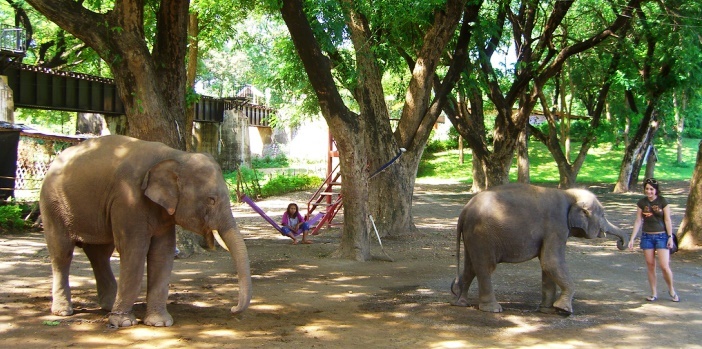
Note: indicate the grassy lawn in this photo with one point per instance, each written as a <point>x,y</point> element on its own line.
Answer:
<point>601,165</point>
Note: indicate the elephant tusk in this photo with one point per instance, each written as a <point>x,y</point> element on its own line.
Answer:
<point>215,233</point>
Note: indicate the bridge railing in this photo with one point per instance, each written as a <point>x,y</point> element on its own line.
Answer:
<point>13,39</point>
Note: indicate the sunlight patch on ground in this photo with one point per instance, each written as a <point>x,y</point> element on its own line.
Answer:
<point>563,345</point>
<point>273,308</point>
<point>665,306</point>
<point>20,246</point>
<point>324,329</point>
<point>451,345</point>
<point>201,304</point>
<point>521,326</point>
<point>347,295</point>
<point>349,278</point>
<point>375,316</point>
<point>275,273</point>
<point>222,333</point>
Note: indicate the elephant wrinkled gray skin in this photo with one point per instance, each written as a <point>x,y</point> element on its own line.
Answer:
<point>120,192</point>
<point>514,223</point>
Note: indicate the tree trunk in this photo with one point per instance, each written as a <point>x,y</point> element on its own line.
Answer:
<point>634,152</point>
<point>355,237</point>
<point>680,123</point>
<point>690,230</point>
<point>478,176</point>
<point>651,159</point>
<point>151,85</point>
<point>191,74</point>
<point>523,157</point>
<point>365,139</point>
<point>91,123</point>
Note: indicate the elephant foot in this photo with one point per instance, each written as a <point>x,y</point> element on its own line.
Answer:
<point>106,303</point>
<point>547,310</point>
<point>461,302</point>
<point>492,307</point>
<point>159,319</point>
<point>121,319</point>
<point>62,311</point>
<point>62,308</point>
<point>563,307</point>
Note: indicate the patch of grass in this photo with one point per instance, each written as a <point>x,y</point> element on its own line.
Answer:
<point>270,162</point>
<point>601,165</point>
<point>11,217</point>
<point>256,184</point>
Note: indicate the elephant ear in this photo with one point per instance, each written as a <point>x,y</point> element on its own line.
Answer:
<point>161,185</point>
<point>577,219</point>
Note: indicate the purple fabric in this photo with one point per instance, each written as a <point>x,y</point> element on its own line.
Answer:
<point>275,225</point>
<point>253,205</point>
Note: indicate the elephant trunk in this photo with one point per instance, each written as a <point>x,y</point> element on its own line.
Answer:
<point>622,237</point>
<point>234,242</point>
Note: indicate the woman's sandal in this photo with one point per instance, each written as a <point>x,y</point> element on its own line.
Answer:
<point>651,298</point>
<point>674,297</point>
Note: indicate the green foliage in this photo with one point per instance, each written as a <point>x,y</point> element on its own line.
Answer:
<point>580,128</point>
<point>53,120</point>
<point>601,166</point>
<point>267,161</point>
<point>435,145</point>
<point>255,183</point>
<point>285,183</point>
<point>11,217</point>
<point>693,128</point>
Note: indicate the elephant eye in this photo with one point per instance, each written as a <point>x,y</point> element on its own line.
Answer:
<point>212,200</point>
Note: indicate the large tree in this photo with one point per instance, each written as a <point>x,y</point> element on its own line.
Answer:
<point>149,71</point>
<point>589,81</point>
<point>690,230</point>
<point>655,71</point>
<point>540,54</point>
<point>362,127</point>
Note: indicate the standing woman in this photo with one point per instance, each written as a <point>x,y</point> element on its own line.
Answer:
<point>653,218</point>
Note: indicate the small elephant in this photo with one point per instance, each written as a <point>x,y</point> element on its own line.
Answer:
<point>120,192</point>
<point>514,223</point>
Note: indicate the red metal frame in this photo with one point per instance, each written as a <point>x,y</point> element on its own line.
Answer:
<point>326,191</point>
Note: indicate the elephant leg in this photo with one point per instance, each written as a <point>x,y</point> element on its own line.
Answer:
<point>159,267</point>
<point>461,286</point>
<point>61,252</point>
<point>548,293</point>
<point>556,268</point>
<point>485,292</point>
<point>131,273</point>
<point>99,256</point>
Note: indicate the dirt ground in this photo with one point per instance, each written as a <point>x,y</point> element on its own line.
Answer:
<point>304,299</point>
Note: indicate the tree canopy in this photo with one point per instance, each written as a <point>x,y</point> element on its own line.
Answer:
<point>381,73</point>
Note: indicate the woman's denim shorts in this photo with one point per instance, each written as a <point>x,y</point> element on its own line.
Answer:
<point>304,227</point>
<point>654,241</point>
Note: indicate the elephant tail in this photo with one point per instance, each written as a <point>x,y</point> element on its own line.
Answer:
<point>459,230</point>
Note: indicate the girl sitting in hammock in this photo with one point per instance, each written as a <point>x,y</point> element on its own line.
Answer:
<point>294,224</point>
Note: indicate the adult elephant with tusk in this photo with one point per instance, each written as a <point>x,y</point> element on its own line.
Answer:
<point>120,192</point>
<point>514,223</point>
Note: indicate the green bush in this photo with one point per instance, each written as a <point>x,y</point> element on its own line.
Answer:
<point>256,184</point>
<point>11,217</point>
<point>580,128</point>
<point>270,162</point>
<point>692,133</point>
<point>435,146</point>
<point>285,183</point>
